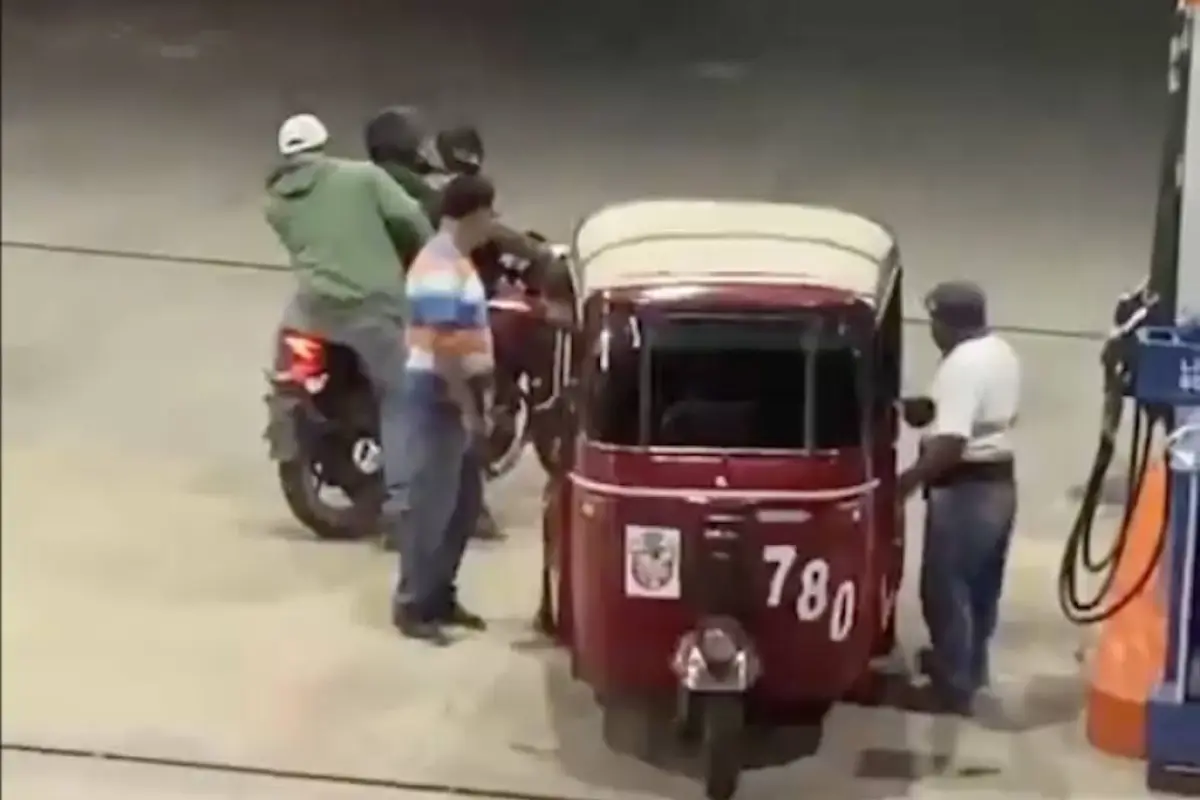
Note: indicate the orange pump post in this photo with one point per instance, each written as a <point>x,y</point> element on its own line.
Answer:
<point>1128,658</point>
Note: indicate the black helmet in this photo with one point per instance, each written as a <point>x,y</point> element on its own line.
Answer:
<point>397,134</point>
<point>461,149</point>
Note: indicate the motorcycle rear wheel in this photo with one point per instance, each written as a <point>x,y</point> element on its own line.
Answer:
<point>299,484</point>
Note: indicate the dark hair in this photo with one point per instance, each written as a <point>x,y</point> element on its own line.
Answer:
<point>959,305</point>
<point>466,194</point>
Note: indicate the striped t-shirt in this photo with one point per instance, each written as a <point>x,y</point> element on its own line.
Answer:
<point>448,319</point>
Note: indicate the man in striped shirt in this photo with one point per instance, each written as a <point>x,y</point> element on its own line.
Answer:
<point>446,386</point>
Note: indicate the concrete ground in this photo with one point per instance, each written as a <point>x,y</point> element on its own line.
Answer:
<point>158,604</point>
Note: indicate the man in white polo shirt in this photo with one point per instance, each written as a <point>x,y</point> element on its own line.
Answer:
<point>966,472</point>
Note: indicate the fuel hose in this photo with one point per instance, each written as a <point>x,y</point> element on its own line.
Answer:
<point>1088,572</point>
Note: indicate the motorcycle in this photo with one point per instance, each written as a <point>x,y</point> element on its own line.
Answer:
<point>323,432</point>
<point>323,425</point>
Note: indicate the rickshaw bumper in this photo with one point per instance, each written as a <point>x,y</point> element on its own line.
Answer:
<point>716,657</point>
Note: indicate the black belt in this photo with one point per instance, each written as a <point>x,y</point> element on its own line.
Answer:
<point>977,472</point>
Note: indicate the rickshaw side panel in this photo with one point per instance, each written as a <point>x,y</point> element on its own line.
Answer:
<point>625,632</point>
<point>889,543</point>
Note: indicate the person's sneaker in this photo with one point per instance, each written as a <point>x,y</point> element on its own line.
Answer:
<point>459,617</point>
<point>413,627</point>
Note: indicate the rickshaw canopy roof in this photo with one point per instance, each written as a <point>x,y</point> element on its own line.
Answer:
<point>663,242</point>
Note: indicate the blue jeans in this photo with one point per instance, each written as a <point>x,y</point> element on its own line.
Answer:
<point>433,508</point>
<point>968,530</point>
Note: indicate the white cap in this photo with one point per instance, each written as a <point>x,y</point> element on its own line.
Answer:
<point>302,132</point>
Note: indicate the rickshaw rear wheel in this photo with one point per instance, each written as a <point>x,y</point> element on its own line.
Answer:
<point>724,737</point>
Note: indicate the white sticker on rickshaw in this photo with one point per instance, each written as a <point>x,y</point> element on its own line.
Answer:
<point>652,558</point>
<point>816,600</point>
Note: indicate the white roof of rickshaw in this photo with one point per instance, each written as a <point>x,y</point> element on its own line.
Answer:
<point>649,243</point>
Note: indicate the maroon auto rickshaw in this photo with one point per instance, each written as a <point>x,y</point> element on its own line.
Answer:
<point>721,524</point>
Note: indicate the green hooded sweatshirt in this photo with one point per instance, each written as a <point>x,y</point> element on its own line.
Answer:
<point>417,187</point>
<point>348,228</point>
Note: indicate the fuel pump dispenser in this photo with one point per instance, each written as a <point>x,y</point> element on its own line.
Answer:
<point>1153,357</point>
<point>1168,373</point>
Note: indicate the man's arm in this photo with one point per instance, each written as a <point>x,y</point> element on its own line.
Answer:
<point>444,306</point>
<point>538,272</point>
<point>406,222</point>
<point>537,256</point>
<point>275,220</point>
<point>957,395</point>
<point>469,390</point>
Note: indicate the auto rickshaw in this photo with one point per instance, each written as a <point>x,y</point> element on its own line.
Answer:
<point>721,527</point>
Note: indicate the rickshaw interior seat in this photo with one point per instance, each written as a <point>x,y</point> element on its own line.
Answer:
<point>753,399</point>
<point>741,386</point>
<point>694,419</point>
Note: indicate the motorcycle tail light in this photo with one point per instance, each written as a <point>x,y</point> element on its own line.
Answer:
<point>304,358</point>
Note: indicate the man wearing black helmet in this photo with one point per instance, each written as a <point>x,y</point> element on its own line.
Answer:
<point>397,140</point>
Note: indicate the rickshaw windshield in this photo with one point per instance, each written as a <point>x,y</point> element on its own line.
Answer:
<point>730,381</point>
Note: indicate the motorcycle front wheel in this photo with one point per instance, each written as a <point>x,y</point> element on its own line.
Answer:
<point>301,484</point>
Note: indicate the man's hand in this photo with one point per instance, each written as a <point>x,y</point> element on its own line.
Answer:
<point>918,412</point>
<point>475,423</point>
<point>906,485</point>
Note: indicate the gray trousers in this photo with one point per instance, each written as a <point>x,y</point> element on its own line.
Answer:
<point>437,513</point>
<point>968,530</point>
<point>378,339</point>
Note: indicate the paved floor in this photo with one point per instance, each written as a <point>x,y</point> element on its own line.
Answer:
<point>158,603</point>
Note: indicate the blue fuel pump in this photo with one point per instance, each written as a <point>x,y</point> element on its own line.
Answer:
<point>1168,373</point>
<point>1153,357</point>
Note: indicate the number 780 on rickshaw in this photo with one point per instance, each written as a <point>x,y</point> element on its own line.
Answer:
<point>722,525</point>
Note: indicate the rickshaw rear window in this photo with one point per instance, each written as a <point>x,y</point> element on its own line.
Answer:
<point>752,383</point>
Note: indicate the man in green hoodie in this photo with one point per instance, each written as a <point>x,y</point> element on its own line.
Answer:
<point>349,230</point>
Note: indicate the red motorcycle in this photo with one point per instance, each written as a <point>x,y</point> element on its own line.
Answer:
<point>323,420</point>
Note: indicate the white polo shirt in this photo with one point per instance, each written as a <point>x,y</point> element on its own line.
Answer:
<point>977,390</point>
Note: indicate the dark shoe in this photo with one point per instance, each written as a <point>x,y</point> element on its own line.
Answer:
<point>952,701</point>
<point>925,662</point>
<point>413,627</point>
<point>459,617</point>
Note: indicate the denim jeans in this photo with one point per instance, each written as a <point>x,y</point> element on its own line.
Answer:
<point>968,530</point>
<point>435,509</point>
